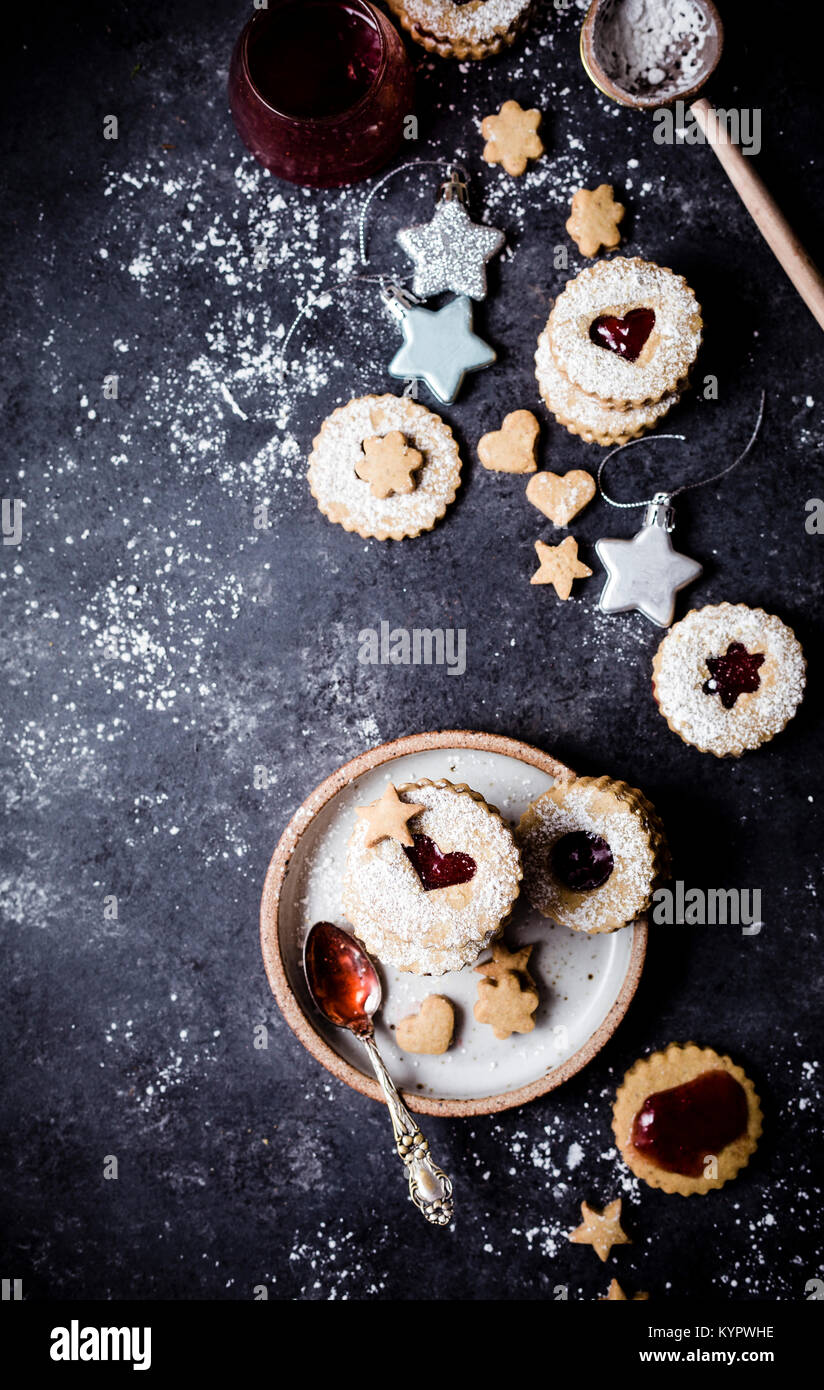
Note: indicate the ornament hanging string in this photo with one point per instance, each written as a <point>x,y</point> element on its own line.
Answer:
<point>685,487</point>
<point>315,300</point>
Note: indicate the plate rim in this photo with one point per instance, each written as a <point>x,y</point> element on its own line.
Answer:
<point>285,997</point>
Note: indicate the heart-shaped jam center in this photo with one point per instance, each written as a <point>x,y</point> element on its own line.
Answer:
<point>582,861</point>
<point>680,1128</point>
<point>436,870</point>
<point>734,674</point>
<point>625,336</point>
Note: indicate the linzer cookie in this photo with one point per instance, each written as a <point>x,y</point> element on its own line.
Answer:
<point>686,1120</point>
<point>594,851</point>
<point>728,678</point>
<point>384,466</point>
<point>463,28</point>
<point>626,331</point>
<point>435,904</point>
<point>586,415</point>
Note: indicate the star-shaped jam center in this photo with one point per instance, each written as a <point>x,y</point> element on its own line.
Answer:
<point>734,674</point>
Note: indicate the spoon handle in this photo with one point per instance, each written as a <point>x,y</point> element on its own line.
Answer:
<point>429,1187</point>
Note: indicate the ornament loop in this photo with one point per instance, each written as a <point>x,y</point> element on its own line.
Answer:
<point>455,188</point>
<point>661,512</point>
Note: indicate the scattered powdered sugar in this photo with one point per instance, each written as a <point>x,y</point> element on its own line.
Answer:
<point>653,47</point>
<point>680,671</point>
<point>432,932</point>
<point>347,499</point>
<point>616,287</point>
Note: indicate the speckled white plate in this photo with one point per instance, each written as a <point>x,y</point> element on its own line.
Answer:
<point>586,982</point>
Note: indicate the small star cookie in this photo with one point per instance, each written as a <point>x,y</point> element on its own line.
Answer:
<point>561,497</point>
<point>600,1229</point>
<point>559,565</point>
<point>387,818</point>
<point>593,222</point>
<point>511,449</point>
<point>429,1031</point>
<point>616,1295</point>
<point>512,138</point>
<point>388,464</point>
<point>507,997</point>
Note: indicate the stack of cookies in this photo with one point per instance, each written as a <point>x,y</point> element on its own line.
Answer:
<point>618,349</point>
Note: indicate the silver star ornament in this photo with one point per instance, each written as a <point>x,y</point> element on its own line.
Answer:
<point>646,573</point>
<point>439,346</point>
<point>450,252</point>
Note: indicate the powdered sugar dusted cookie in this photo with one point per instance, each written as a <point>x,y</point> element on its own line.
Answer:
<point>463,28</point>
<point>435,905</point>
<point>343,484</point>
<point>727,678</point>
<point>594,851</point>
<point>626,331</point>
<point>586,415</point>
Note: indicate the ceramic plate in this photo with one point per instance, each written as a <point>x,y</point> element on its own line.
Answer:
<point>586,982</point>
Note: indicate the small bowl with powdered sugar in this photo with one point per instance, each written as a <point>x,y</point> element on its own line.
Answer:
<point>648,53</point>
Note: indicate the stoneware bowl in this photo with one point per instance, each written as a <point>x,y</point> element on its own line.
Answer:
<point>586,983</point>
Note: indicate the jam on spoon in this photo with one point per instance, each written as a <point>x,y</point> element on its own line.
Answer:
<point>678,1129</point>
<point>734,674</point>
<point>582,861</point>
<point>437,870</point>
<point>346,988</point>
<point>342,979</point>
<point>625,336</point>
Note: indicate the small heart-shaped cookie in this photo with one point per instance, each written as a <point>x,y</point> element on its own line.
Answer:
<point>430,1030</point>
<point>511,449</point>
<point>561,498</point>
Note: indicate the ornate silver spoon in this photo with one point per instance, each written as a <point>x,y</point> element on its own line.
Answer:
<point>346,988</point>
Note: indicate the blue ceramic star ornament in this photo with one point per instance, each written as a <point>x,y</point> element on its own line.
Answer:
<point>439,346</point>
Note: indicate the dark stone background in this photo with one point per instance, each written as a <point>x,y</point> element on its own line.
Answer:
<point>158,647</point>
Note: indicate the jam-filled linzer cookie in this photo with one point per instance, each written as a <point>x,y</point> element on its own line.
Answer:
<point>727,678</point>
<point>463,28</point>
<point>686,1119</point>
<point>384,466</point>
<point>429,890</point>
<point>626,331</point>
<point>594,852</point>
<point>587,416</point>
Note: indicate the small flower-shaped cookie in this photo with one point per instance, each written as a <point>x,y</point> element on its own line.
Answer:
<point>388,465</point>
<point>593,221</point>
<point>507,997</point>
<point>512,138</point>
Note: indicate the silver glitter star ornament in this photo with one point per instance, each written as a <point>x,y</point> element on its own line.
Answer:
<point>646,573</point>
<point>451,251</point>
<point>439,346</point>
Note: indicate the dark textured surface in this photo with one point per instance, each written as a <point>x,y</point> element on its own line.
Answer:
<point>159,647</point>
